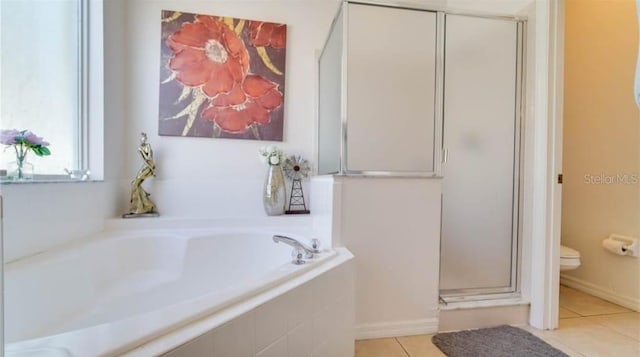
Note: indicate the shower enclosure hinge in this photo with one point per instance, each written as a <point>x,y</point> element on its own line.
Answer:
<point>560,178</point>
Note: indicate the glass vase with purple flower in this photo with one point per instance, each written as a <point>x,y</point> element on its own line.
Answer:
<point>22,142</point>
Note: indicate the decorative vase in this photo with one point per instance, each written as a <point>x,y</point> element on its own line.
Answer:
<point>20,170</point>
<point>274,195</point>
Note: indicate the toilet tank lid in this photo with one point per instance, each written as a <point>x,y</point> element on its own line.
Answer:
<point>566,252</point>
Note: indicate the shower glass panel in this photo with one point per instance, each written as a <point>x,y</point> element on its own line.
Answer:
<point>481,160</point>
<point>391,89</point>
<point>330,101</point>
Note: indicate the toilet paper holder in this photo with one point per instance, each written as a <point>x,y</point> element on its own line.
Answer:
<point>630,244</point>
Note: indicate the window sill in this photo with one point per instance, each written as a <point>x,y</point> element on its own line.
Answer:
<point>45,179</point>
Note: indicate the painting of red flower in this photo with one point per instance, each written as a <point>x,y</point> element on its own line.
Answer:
<point>221,77</point>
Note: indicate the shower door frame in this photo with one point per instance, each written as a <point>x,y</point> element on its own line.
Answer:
<point>514,288</point>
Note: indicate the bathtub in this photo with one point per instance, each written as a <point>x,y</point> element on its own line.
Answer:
<point>176,292</point>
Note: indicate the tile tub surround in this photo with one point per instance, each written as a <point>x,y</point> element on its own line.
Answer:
<point>213,278</point>
<point>313,319</point>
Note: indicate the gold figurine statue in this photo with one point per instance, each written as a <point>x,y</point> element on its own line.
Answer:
<point>140,204</point>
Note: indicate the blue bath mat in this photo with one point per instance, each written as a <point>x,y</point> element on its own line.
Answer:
<point>501,341</point>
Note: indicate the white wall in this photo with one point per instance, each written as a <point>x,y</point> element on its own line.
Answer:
<point>201,177</point>
<point>602,131</point>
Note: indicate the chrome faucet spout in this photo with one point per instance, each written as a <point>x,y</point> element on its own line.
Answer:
<point>295,244</point>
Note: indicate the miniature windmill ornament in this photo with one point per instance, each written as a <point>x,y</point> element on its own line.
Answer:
<point>296,168</point>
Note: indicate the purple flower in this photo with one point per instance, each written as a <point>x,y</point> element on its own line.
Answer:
<point>33,139</point>
<point>23,141</point>
<point>8,136</point>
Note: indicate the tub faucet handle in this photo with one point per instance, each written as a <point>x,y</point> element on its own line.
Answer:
<point>315,244</point>
<point>298,255</point>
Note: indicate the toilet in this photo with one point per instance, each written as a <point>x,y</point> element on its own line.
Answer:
<point>569,258</point>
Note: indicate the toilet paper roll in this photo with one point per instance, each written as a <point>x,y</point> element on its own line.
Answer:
<point>614,246</point>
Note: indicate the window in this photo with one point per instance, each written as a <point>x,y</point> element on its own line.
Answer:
<point>44,77</point>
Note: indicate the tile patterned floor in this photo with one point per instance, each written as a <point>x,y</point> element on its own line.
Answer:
<point>589,327</point>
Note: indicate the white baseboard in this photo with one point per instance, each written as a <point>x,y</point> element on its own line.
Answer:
<point>598,291</point>
<point>397,328</point>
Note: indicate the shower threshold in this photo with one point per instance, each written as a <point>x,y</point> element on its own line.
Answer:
<point>482,299</point>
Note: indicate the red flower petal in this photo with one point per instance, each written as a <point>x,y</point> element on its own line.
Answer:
<point>186,57</point>
<point>253,27</point>
<point>235,97</point>
<point>220,81</point>
<point>244,61</point>
<point>228,119</point>
<point>271,100</point>
<point>236,70</point>
<point>193,76</point>
<point>267,34</point>
<point>191,66</point>
<point>193,35</point>
<point>213,26</point>
<point>256,86</point>
<point>174,46</point>
<point>232,42</point>
<point>257,113</point>
<point>279,37</point>
<point>210,113</point>
<point>261,34</point>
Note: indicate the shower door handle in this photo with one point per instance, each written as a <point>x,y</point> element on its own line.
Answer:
<point>445,156</point>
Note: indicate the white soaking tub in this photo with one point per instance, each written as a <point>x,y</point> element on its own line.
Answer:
<point>147,292</point>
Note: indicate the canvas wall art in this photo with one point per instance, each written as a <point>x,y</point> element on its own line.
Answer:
<point>221,77</point>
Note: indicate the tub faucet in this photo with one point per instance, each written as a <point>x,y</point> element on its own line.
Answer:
<point>297,245</point>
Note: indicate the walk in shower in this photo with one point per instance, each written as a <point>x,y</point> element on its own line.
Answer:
<point>452,89</point>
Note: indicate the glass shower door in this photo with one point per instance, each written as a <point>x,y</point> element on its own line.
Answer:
<point>481,156</point>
